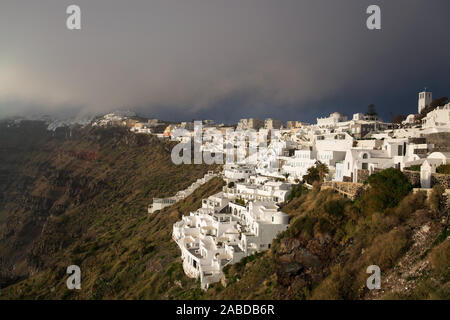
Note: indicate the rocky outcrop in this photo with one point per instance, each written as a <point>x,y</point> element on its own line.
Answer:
<point>301,263</point>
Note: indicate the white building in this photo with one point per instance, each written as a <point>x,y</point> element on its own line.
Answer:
<point>272,124</point>
<point>296,124</point>
<point>332,120</point>
<point>262,190</point>
<point>410,119</point>
<point>394,153</point>
<point>439,117</point>
<point>140,127</point>
<point>333,141</point>
<point>210,238</point>
<point>298,165</point>
<point>236,172</point>
<point>365,117</point>
<point>251,123</point>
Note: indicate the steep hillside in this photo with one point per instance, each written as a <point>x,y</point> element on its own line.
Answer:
<point>330,243</point>
<point>78,198</point>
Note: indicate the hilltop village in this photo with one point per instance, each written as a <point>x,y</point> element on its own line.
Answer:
<point>342,153</point>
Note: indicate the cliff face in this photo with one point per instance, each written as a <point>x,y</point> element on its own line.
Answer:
<point>80,198</point>
<point>61,190</point>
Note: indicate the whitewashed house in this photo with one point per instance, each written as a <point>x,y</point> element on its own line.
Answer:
<point>236,172</point>
<point>368,159</point>
<point>210,239</point>
<point>439,117</point>
<point>332,120</point>
<point>272,124</point>
<point>298,165</point>
<point>334,141</point>
<point>269,191</point>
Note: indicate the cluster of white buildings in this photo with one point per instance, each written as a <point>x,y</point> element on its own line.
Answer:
<point>252,123</point>
<point>239,221</point>
<point>435,120</point>
<point>356,148</point>
<point>244,217</point>
<point>143,127</point>
<point>352,147</point>
<point>116,118</point>
<point>129,120</point>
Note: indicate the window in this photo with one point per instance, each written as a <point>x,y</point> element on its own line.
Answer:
<point>364,166</point>
<point>400,150</point>
<point>365,156</point>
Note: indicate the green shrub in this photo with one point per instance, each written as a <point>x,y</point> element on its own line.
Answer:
<point>240,201</point>
<point>316,173</point>
<point>387,189</point>
<point>335,208</point>
<point>415,167</point>
<point>443,168</point>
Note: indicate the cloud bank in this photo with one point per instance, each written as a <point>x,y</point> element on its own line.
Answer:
<point>221,59</point>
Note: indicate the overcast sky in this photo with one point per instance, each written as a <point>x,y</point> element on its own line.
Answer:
<point>222,59</point>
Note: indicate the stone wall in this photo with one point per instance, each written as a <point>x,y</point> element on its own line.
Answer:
<point>349,189</point>
<point>446,201</point>
<point>363,175</point>
<point>413,177</point>
<point>441,179</point>
<point>436,178</point>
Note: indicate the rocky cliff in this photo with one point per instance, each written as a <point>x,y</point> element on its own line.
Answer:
<point>62,194</point>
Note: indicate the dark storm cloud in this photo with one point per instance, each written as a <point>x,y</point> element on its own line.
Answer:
<point>222,59</point>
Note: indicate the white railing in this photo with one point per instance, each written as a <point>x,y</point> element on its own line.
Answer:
<point>180,195</point>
